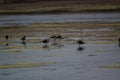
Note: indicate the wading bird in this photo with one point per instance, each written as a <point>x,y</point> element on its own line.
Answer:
<point>55,37</point>
<point>119,41</point>
<point>6,37</point>
<point>45,41</point>
<point>60,37</point>
<point>23,38</point>
<point>80,42</point>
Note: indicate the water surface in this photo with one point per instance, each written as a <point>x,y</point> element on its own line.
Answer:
<point>51,18</point>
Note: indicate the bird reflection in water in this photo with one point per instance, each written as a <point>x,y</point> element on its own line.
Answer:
<point>46,47</point>
<point>80,48</point>
<point>24,43</point>
<point>7,44</point>
<point>57,45</point>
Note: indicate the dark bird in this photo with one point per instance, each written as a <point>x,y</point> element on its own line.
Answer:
<point>119,41</point>
<point>59,37</point>
<point>55,37</point>
<point>45,41</point>
<point>23,38</point>
<point>80,42</point>
<point>6,37</point>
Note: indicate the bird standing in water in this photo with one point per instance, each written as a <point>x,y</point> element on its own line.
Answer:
<point>23,38</point>
<point>57,37</point>
<point>80,42</point>
<point>45,41</point>
<point>6,37</point>
<point>119,41</point>
<point>53,37</point>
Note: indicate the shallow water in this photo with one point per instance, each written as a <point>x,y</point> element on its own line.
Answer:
<point>36,62</point>
<point>50,18</point>
<point>98,59</point>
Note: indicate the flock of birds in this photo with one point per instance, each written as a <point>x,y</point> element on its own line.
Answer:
<point>54,37</point>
